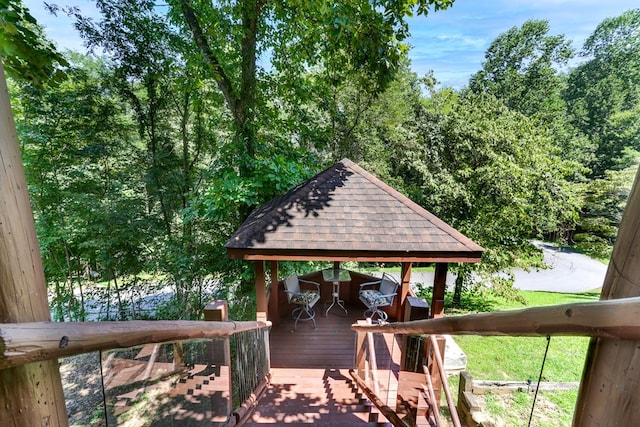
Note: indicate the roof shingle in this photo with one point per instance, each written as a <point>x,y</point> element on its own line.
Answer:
<point>345,213</point>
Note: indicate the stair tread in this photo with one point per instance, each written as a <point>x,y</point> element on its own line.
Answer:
<point>303,396</point>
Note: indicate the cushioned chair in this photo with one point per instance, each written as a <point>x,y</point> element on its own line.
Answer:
<point>305,298</point>
<point>379,293</point>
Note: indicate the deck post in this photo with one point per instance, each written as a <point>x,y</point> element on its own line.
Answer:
<point>432,365</point>
<point>261,292</point>
<point>274,309</point>
<point>405,280</point>
<point>31,394</point>
<point>609,388</point>
<point>361,351</point>
<point>218,311</point>
<point>439,287</point>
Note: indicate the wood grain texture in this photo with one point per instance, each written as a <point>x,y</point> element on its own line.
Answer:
<point>23,343</point>
<point>30,395</point>
<point>611,379</point>
<point>614,319</point>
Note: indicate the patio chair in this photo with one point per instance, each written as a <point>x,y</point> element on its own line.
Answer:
<point>379,293</point>
<point>305,298</point>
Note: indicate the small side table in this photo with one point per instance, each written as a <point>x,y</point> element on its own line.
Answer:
<point>336,276</point>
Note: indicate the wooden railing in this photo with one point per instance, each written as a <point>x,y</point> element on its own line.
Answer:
<point>24,343</point>
<point>613,319</point>
<point>366,375</point>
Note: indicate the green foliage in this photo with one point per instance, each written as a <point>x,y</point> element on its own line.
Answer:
<point>605,86</point>
<point>604,203</point>
<point>25,51</point>
<point>492,174</point>
<point>521,69</point>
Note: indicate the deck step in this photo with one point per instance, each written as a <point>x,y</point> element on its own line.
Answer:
<point>318,396</point>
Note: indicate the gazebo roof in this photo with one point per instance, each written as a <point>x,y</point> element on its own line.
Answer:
<point>345,213</point>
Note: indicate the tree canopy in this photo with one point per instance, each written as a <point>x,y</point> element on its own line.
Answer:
<point>145,159</point>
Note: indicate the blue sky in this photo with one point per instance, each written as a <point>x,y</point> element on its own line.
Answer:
<point>451,42</point>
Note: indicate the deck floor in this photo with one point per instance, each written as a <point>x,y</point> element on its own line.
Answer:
<point>330,346</point>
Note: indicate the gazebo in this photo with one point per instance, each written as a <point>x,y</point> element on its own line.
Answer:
<point>347,214</point>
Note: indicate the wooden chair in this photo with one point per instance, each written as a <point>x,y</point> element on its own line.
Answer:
<point>305,298</point>
<point>376,294</point>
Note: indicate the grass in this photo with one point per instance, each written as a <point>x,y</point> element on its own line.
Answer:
<point>505,358</point>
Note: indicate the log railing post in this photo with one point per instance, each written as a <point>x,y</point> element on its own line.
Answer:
<point>261,292</point>
<point>361,352</point>
<point>432,365</point>
<point>217,311</point>
<point>31,395</point>
<point>609,387</point>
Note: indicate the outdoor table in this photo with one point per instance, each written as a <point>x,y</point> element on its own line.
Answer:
<point>336,276</point>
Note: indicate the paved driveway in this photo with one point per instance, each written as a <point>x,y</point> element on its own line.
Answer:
<point>569,272</point>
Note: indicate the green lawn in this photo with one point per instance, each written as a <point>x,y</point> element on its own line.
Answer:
<point>519,359</point>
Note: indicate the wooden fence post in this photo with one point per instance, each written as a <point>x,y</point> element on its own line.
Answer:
<point>31,395</point>
<point>218,311</point>
<point>609,388</point>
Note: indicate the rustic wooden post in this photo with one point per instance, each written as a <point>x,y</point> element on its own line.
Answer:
<point>439,287</point>
<point>403,292</point>
<point>611,379</point>
<point>218,311</point>
<point>433,366</point>
<point>361,351</point>
<point>31,395</point>
<point>274,309</point>
<point>261,292</point>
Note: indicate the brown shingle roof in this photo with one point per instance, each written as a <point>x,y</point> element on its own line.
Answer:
<point>345,213</point>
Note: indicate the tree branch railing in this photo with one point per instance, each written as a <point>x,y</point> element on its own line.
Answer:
<point>248,364</point>
<point>613,319</point>
<point>439,365</point>
<point>366,375</point>
<point>22,343</point>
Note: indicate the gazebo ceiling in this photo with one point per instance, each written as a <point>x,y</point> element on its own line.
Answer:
<point>345,213</point>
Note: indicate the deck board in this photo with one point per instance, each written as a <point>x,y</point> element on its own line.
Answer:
<point>330,346</point>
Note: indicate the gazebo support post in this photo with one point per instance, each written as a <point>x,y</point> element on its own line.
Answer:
<point>274,310</point>
<point>31,394</point>
<point>405,280</point>
<point>261,291</point>
<point>439,287</point>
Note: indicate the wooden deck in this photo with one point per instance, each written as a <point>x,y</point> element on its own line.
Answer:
<point>310,380</point>
<point>330,346</point>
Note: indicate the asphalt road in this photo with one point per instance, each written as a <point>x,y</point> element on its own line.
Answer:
<point>569,272</point>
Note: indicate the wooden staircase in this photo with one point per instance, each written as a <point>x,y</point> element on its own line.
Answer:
<point>324,397</point>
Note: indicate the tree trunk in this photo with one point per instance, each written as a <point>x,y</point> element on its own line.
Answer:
<point>609,389</point>
<point>31,395</point>
<point>457,293</point>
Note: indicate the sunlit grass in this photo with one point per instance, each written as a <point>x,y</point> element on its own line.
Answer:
<point>504,358</point>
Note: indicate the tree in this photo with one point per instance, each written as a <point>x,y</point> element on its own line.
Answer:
<point>493,174</point>
<point>23,296</point>
<point>522,68</point>
<point>26,52</point>
<point>80,156</point>
<point>346,38</point>
<point>605,86</point>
